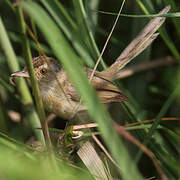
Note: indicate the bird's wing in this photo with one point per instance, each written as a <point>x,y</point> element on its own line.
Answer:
<point>105,89</point>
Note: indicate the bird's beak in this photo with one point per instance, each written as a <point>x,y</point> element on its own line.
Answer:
<point>22,73</point>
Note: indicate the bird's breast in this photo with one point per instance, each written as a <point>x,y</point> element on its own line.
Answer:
<point>59,103</point>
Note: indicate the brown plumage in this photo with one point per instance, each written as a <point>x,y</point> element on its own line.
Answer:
<point>59,95</point>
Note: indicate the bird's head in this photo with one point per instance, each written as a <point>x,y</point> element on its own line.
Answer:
<point>45,70</point>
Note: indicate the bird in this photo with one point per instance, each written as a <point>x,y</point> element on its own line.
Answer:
<point>58,94</point>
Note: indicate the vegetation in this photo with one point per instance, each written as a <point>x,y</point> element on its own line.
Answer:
<point>138,139</point>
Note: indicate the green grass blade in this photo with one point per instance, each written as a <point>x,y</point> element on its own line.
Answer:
<point>75,72</point>
<point>175,14</point>
<point>158,120</point>
<point>35,88</point>
<point>34,84</point>
<point>23,89</point>
<point>162,112</point>
<point>70,29</point>
<point>12,63</point>
<point>86,31</point>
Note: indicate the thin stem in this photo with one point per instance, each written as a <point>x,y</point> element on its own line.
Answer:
<point>35,88</point>
<point>158,120</point>
<point>80,7</point>
<point>107,40</point>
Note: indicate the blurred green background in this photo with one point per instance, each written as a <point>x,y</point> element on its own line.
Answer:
<point>80,27</point>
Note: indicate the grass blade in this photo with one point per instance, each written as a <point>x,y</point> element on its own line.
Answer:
<point>96,110</point>
<point>23,89</point>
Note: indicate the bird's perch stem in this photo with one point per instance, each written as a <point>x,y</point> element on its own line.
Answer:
<point>35,88</point>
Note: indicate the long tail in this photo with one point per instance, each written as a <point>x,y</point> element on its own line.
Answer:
<point>141,42</point>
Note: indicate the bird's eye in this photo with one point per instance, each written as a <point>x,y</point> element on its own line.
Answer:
<point>43,71</point>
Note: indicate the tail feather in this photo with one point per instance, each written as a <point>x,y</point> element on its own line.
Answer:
<point>141,42</point>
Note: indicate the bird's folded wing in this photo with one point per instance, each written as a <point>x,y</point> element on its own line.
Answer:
<point>105,89</point>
